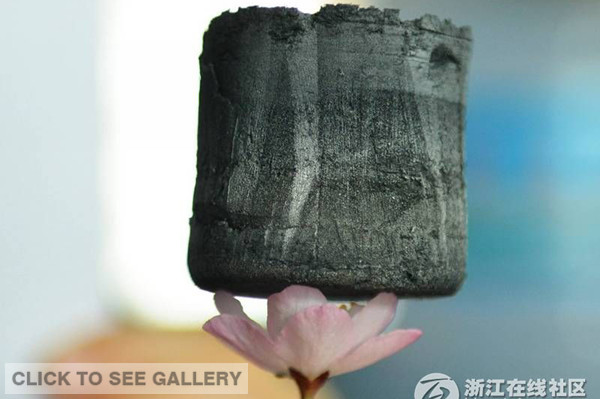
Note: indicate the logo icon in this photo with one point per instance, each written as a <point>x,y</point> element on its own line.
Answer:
<point>436,386</point>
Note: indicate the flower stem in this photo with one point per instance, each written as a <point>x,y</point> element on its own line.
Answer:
<point>308,388</point>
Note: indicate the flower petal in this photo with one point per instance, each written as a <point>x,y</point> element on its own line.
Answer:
<point>374,317</point>
<point>355,308</point>
<point>227,304</point>
<point>315,337</point>
<point>247,338</point>
<point>285,304</point>
<point>374,350</point>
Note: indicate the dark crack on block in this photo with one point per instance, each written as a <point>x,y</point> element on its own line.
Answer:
<point>330,153</point>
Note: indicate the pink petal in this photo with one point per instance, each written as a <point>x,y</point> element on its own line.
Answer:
<point>227,304</point>
<point>374,350</point>
<point>285,304</point>
<point>247,338</point>
<point>315,337</point>
<point>355,308</point>
<point>374,317</point>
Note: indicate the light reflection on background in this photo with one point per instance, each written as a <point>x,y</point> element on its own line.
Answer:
<point>149,81</point>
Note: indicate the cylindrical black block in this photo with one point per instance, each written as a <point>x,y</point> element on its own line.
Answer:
<point>330,153</point>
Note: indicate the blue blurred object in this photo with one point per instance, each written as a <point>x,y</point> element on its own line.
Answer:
<point>530,307</point>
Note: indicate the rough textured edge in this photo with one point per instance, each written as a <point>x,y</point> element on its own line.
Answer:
<point>349,13</point>
<point>292,21</point>
<point>361,280</point>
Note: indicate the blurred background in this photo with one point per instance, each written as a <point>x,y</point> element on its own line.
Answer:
<point>98,117</point>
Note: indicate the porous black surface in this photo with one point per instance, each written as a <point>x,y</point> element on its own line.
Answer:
<point>330,153</point>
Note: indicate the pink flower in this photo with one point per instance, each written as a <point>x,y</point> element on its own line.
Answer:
<point>308,338</point>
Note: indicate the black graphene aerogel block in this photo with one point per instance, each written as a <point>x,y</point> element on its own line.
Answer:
<point>330,153</point>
